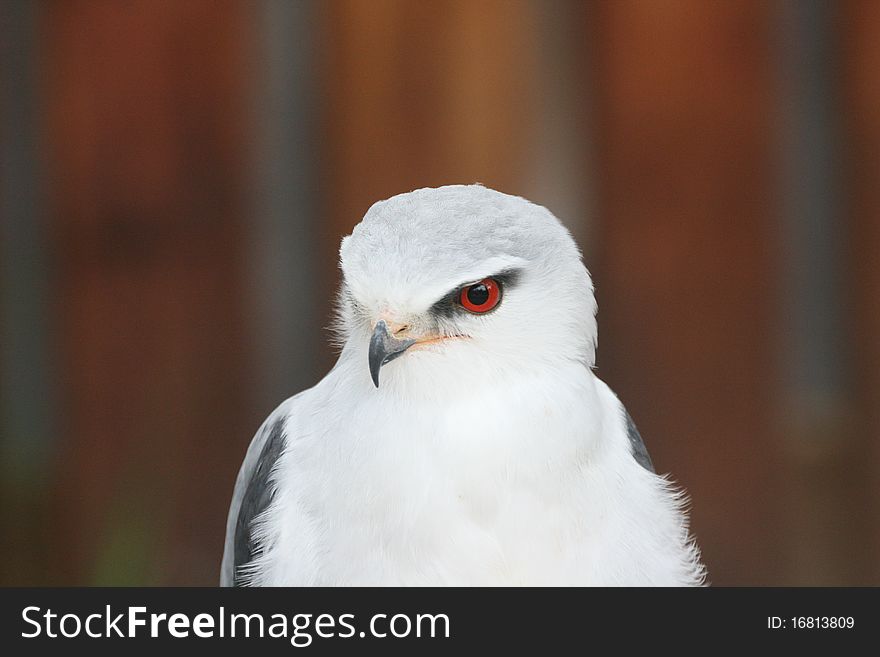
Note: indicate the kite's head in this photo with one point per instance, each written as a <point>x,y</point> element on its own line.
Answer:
<point>460,282</point>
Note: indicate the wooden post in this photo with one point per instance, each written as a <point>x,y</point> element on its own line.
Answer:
<point>860,42</point>
<point>686,274</point>
<point>146,154</point>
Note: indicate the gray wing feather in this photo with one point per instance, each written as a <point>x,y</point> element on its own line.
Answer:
<point>639,451</point>
<point>253,493</point>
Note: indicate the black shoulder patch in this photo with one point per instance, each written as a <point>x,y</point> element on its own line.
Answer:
<point>256,499</point>
<point>640,452</point>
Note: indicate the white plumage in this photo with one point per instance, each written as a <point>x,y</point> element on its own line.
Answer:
<point>489,453</point>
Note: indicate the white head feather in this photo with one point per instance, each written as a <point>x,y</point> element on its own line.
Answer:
<point>394,270</point>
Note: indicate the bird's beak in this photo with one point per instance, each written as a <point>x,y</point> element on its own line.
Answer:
<point>384,348</point>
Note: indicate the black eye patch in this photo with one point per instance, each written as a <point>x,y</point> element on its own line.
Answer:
<point>449,305</point>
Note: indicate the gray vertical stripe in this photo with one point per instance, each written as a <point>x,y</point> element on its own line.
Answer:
<point>559,175</point>
<point>284,318</point>
<point>814,339</point>
<point>26,394</point>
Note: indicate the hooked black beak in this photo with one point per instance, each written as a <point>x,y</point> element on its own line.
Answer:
<point>384,348</point>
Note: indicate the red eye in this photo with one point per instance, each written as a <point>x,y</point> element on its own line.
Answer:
<point>480,297</point>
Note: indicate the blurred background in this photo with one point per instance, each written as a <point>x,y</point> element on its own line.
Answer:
<point>176,177</point>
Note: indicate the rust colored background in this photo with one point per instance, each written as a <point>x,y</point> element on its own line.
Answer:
<point>176,177</point>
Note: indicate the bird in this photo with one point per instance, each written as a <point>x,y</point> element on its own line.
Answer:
<point>462,438</point>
